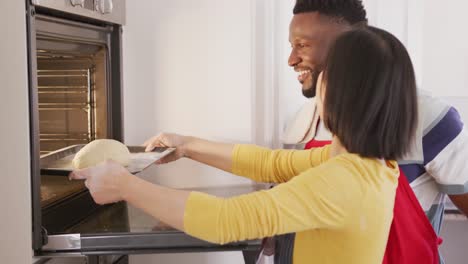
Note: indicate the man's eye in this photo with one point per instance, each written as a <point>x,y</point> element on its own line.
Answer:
<point>299,45</point>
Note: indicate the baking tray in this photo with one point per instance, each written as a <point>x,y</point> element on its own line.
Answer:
<point>59,163</point>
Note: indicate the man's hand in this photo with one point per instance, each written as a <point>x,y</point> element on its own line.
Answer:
<point>106,181</point>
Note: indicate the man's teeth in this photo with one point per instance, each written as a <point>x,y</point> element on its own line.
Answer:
<point>302,73</point>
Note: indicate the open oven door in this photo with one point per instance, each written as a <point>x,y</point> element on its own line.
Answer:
<point>121,229</point>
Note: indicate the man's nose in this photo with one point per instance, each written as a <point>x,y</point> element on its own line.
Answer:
<point>293,58</point>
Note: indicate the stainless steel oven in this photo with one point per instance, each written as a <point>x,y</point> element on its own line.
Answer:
<point>75,81</point>
<point>75,87</point>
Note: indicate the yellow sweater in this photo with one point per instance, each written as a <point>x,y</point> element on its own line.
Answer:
<point>339,208</point>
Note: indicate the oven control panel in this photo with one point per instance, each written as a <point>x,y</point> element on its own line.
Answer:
<point>77,2</point>
<point>103,6</point>
<point>106,10</point>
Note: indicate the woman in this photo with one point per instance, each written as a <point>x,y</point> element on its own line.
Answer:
<point>337,199</point>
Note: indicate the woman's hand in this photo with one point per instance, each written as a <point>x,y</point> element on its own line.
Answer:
<point>211,153</point>
<point>109,182</point>
<point>106,181</point>
<point>171,141</point>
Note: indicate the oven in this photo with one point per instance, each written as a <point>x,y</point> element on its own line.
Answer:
<point>75,90</point>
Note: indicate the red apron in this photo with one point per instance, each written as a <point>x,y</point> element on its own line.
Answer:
<point>412,238</point>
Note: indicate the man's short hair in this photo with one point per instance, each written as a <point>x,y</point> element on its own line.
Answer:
<point>370,98</point>
<point>350,11</point>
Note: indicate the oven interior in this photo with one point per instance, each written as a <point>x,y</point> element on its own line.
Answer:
<point>71,90</point>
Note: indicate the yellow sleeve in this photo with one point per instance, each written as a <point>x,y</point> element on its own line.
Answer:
<point>266,165</point>
<point>321,197</point>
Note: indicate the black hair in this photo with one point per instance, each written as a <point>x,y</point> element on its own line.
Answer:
<point>350,11</point>
<point>370,98</point>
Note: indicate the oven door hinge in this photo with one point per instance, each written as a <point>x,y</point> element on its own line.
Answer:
<point>45,236</point>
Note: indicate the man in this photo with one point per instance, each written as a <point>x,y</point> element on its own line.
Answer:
<point>436,165</point>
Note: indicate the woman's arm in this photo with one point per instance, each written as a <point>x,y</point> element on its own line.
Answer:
<point>318,198</point>
<point>278,166</point>
<point>165,204</point>
<point>256,163</point>
<point>315,199</point>
<point>215,154</point>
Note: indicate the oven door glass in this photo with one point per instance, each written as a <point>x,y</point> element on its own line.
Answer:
<point>123,229</point>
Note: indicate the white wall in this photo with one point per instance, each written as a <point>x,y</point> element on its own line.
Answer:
<point>15,189</point>
<point>445,69</point>
<point>188,68</point>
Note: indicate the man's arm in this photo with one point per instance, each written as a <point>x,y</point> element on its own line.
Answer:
<point>445,153</point>
<point>461,201</point>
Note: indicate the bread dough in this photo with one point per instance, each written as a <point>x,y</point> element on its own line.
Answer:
<point>101,150</point>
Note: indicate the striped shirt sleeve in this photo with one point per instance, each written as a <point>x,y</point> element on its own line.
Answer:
<point>445,146</point>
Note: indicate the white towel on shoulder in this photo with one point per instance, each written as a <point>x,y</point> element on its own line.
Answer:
<point>302,127</point>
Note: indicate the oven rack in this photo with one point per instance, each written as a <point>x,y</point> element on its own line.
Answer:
<point>55,88</point>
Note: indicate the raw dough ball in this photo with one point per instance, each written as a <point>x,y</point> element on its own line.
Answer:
<point>100,150</point>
